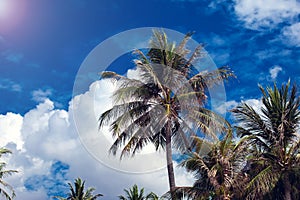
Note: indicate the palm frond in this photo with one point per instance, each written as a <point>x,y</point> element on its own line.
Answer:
<point>263,182</point>
<point>7,190</point>
<point>206,79</point>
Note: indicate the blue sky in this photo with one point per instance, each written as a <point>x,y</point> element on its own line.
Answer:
<point>43,44</point>
<point>51,39</point>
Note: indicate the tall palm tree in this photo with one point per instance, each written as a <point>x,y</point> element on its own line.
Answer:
<point>275,141</point>
<point>10,194</point>
<point>219,172</point>
<point>134,194</point>
<point>78,192</point>
<point>165,105</point>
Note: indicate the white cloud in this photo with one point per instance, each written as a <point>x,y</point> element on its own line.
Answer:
<point>45,134</point>
<point>260,14</point>
<point>291,34</point>
<point>256,104</point>
<point>41,95</point>
<point>274,71</point>
<point>222,109</point>
<point>10,129</point>
<point>281,15</point>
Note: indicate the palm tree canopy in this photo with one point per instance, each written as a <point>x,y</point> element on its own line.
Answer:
<point>164,105</point>
<point>273,135</point>
<point>218,172</point>
<point>79,193</point>
<point>135,194</point>
<point>167,91</point>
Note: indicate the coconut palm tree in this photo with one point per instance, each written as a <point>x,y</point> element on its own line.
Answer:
<point>10,194</point>
<point>78,192</point>
<point>165,104</point>
<point>218,170</point>
<point>273,133</point>
<point>134,194</point>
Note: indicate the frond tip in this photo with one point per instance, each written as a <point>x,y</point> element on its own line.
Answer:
<point>108,74</point>
<point>6,190</point>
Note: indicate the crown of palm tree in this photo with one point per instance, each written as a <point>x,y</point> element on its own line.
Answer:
<point>218,171</point>
<point>274,139</point>
<point>165,104</point>
<point>134,194</point>
<point>79,193</point>
<point>165,91</point>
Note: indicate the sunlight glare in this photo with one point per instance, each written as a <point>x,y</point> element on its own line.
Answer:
<point>4,7</point>
<point>12,13</point>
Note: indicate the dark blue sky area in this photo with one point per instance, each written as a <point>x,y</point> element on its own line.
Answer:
<point>43,48</point>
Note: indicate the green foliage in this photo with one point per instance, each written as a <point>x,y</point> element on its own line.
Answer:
<point>6,190</point>
<point>79,193</point>
<point>165,104</point>
<point>218,173</point>
<point>274,142</point>
<point>166,91</point>
<point>134,194</point>
<point>264,163</point>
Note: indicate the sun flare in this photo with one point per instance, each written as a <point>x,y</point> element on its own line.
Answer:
<point>12,13</point>
<point>4,7</point>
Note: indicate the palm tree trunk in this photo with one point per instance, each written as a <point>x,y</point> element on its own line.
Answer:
<point>170,160</point>
<point>287,188</point>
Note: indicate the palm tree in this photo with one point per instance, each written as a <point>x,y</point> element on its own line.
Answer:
<point>134,194</point>
<point>274,141</point>
<point>219,172</point>
<point>78,192</point>
<point>165,105</point>
<point>10,194</point>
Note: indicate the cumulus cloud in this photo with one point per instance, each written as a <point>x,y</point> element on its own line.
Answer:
<point>262,14</point>
<point>10,129</point>
<point>274,71</point>
<point>291,34</point>
<point>256,104</point>
<point>222,109</point>
<point>46,137</point>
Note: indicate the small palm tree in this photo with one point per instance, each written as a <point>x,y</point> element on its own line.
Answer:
<point>78,192</point>
<point>10,194</point>
<point>134,194</point>
<point>165,105</point>
<point>218,172</point>
<point>275,142</point>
